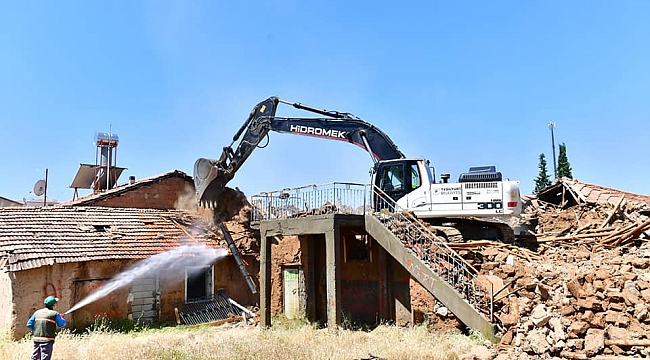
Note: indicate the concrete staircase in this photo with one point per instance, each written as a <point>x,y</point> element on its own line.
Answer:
<point>444,273</point>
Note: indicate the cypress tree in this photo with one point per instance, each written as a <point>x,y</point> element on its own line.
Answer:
<point>563,165</point>
<point>542,180</point>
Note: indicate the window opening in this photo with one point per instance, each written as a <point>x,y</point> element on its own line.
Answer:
<point>198,283</point>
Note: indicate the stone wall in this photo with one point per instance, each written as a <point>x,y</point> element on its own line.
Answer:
<point>68,282</point>
<point>6,308</point>
<point>71,282</point>
<point>163,194</point>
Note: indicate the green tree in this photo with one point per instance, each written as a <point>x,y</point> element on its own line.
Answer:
<point>563,165</point>
<point>542,180</point>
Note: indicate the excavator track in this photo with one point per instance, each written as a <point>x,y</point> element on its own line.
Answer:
<point>449,233</point>
<point>456,230</point>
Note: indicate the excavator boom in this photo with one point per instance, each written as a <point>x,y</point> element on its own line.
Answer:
<point>211,176</point>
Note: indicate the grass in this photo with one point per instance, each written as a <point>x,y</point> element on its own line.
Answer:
<point>284,341</point>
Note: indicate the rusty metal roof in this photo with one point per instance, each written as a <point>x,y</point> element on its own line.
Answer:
<point>35,237</point>
<point>92,198</point>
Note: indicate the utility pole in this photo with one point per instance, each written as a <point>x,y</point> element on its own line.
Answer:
<point>45,198</point>
<point>551,126</point>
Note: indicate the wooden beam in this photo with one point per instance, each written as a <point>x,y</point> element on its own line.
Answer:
<point>611,215</point>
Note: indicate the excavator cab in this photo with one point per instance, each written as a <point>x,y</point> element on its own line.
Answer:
<point>395,179</point>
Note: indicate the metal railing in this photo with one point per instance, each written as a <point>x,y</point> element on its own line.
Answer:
<point>434,252</point>
<point>366,199</point>
<point>337,197</point>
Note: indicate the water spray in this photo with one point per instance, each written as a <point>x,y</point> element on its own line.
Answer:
<point>176,259</point>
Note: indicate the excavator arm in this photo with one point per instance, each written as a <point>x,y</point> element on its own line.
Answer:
<point>211,176</point>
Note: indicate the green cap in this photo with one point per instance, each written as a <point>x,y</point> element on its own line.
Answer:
<point>50,300</point>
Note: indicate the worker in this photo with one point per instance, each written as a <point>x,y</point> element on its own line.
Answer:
<point>43,324</point>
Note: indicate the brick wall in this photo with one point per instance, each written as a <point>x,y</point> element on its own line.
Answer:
<point>70,282</point>
<point>163,194</point>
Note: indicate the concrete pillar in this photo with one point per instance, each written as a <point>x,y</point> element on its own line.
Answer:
<point>310,276</point>
<point>333,274</point>
<point>265,280</point>
<point>384,282</point>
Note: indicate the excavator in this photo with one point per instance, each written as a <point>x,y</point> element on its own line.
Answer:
<point>453,208</point>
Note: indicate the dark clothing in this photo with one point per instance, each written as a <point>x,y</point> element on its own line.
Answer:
<point>42,350</point>
<point>43,324</point>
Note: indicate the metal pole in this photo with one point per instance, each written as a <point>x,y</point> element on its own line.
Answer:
<point>45,198</point>
<point>108,164</point>
<point>551,126</point>
<point>238,260</point>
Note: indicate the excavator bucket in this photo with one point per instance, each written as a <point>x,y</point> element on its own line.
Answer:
<point>210,179</point>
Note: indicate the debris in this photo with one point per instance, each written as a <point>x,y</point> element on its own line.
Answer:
<point>579,288</point>
<point>217,311</point>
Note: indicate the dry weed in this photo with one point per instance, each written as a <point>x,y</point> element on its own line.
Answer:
<point>303,342</point>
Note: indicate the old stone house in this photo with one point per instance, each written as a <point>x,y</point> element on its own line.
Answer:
<point>4,202</point>
<point>171,190</point>
<point>71,250</point>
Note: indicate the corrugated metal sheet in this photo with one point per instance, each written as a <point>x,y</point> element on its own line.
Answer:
<point>35,237</point>
<point>205,311</point>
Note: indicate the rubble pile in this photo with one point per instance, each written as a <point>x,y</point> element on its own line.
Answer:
<point>234,211</point>
<point>580,289</point>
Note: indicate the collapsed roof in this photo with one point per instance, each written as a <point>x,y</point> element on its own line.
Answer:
<point>569,192</point>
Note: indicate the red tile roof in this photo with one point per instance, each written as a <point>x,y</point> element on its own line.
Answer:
<point>35,237</point>
<point>601,194</point>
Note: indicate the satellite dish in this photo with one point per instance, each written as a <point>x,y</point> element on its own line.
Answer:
<point>39,188</point>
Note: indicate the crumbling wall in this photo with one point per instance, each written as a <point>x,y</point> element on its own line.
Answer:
<point>6,301</point>
<point>162,194</point>
<point>226,277</point>
<point>285,250</point>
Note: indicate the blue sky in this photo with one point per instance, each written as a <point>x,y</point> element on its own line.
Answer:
<point>460,83</point>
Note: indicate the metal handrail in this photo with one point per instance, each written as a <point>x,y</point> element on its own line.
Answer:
<point>434,252</point>
<point>335,197</point>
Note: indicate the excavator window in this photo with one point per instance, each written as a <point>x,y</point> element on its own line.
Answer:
<point>431,172</point>
<point>392,178</point>
<point>415,177</point>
